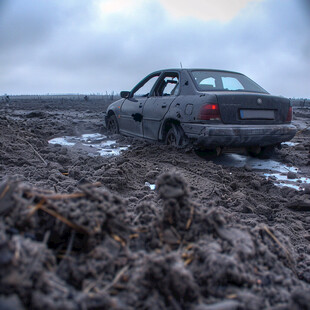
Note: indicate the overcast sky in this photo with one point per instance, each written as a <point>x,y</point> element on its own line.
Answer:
<point>94,46</point>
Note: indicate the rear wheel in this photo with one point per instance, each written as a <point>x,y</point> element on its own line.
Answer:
<point>209,153</point>
<point>264,153</point>
<point>176,136</point>
<point>112,125</point>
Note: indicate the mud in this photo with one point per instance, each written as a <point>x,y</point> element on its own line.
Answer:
<point>151,228</point>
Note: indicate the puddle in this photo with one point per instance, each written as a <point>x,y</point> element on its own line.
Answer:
<point>94,144</point>
<point>151,186</point>
<point>65,141</point>
<point>236,160</point>
<point>290,143</point>
<point>271,169</point>
<point>282,180</point>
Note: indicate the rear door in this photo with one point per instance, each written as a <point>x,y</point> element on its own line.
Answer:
<point>156,107</point>
<point>131,112</point>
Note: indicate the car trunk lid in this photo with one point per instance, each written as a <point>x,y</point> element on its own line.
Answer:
<point>252,108</point>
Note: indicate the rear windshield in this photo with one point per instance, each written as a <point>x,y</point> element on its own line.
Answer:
<point>224,81</point>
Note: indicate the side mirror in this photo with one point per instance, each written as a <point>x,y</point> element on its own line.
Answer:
<point>125,94</point>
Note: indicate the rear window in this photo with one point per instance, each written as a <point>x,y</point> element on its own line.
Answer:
<point>206,80</point>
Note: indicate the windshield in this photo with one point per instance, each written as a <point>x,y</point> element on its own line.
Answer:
<point>224,81</point>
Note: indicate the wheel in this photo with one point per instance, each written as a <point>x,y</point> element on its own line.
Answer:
<point>208,153</point>
<point>264,153</point>
<point>176,137</point>
<point>112,125</point>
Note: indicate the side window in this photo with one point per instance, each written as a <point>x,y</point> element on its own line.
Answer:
<point>210,81</point>
<point>230,83</point>
<point>146,88</point>
<point>169,86</point>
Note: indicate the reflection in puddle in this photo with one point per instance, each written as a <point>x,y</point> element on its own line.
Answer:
<point>151,186</point>
<point>282,180</point>
<point>271,169</point>
<point>236,160</point>
<point>92,143</point>
<point>289,143</point>
<point>62,141</point>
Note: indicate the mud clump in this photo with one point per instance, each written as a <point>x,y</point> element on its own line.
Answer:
<point>177,208</point>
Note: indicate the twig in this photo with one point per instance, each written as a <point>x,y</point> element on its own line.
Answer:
<point>116,279</point>
<point>57,196</point>
<point>35,151</point>
<point>275,239</point>
<point>69,248</point>
<point>302,130</point>
<point>7,187</point>
<point>119,239</point>
<point>36,207</point>
<point>190,220</point>
<point>137,217</point>
<point>64,220</point>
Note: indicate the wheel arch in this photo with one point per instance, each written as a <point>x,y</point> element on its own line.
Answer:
<point>110,113</point>
<point>166,125</point>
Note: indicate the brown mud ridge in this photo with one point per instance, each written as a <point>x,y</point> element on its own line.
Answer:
<point>84,232</point>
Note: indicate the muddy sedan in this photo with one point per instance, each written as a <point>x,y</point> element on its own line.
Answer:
<point>215,110</point>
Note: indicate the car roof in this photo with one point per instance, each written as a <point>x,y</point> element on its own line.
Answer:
<point>195,69</point>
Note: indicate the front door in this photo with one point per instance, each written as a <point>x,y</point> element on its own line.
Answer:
<point>131,112</point>
<point>131,116</point>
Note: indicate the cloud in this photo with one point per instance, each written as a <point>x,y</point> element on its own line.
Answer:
<point>222,10</point>
<point>93,46</point>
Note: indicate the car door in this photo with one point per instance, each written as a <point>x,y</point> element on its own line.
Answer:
<point>156,107</point>
<point>131,111</point>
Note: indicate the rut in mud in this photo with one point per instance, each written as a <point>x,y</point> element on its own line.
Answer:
<point>85,232</point>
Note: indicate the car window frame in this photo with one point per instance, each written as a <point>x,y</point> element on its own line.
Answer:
<point>163,75</point>
<point>143,82</point>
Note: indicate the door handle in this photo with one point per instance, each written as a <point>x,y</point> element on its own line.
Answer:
<point>141,105</point>
<point>164,106</point>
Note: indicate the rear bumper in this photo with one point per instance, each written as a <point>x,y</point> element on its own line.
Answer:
<point>238,136</point>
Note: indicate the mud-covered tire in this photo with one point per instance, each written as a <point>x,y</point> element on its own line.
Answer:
<point>265,153</point>
<point>207,153</point>
<point>176,137</point>
<point>112,125</point>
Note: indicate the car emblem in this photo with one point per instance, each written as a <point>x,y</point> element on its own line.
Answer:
<point>259,101</point>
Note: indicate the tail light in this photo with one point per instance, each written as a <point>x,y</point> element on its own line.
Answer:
<point>209,112</point>
<point>289,115</point>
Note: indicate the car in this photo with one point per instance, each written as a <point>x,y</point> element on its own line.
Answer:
<point>211,109</point>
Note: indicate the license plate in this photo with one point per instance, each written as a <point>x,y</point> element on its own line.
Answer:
<point>257,114</point>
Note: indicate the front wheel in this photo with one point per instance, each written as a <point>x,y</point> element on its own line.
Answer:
<point>176,137</point>
<point>112,125</point>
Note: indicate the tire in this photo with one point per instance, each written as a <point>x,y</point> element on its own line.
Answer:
<point>265,153</point>
<point>208,153</point>
<point>112,125</point>
<point>176,137</point>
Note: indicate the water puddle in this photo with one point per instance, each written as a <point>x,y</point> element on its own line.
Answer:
<point>271,169</point>
<point>94,144</point>
<point>282,180</point>
<point>289,143</point>
<point>151,186</point>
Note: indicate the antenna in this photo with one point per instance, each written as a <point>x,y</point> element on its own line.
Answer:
<point>181,65</point>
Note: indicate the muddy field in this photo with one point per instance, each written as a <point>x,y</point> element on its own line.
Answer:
<point>90,221</point>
